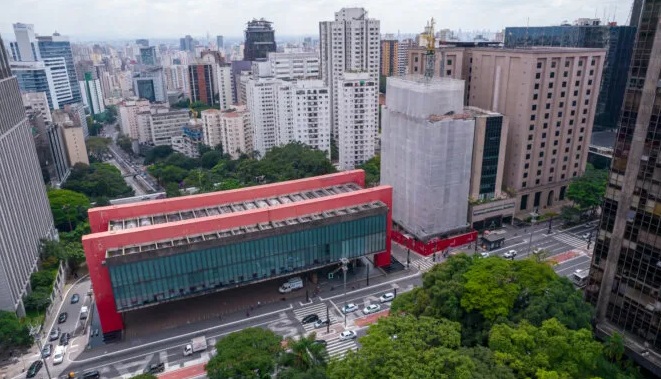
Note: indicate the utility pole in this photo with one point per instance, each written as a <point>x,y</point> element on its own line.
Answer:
<point>550,225</point>
<point>344,269</point>
<point>34,332</point>
<point>367,266</point>
<point>328,319</point>
<point>532,225</point>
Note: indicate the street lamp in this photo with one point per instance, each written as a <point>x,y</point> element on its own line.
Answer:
<point>34,332</point>
<point>344,262</point>
<point>532,226</point>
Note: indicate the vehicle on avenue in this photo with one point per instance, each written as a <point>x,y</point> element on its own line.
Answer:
<point>47,350</point>
<point>320,342</point>
<point>351,307</point>
<point>155,368</point>
<point>386,297</point>
<point>54,334</point>
<point>91,375</point>
<point>195,345</point>
<point>586,236</point>
<point>510,254</point>
<point>34,369</point>
<point>309,319</point>
<point>321,323</point>
<point>372,308</point>
<point>62,318</point>
<point>84,312</point>
<point>58,356</point>
<point>292,284</point>
<point>485,254</point>
<point>536,250</point>
<point>348,335</point>
<point>64,339</point>
<point>75,298</point>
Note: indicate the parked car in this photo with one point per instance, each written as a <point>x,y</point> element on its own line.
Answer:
<point>386,297</point>
<point>54,334</point>
<point>485,254</point>
<point>58,356</point>
<point>309,319</point>
<point>47,350</point>
<point>75,298</point>
<point>34,369</point>
<point>62,318</point>
<point>155,368</point>
<point>321,323</point>
<point>64,339</point>
<point>510,254</point>
<point>351,307</point>
<point>348,335</point>
<point>372,308</point>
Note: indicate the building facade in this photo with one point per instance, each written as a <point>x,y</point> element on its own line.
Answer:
<point>36,77</point>
<point>188,142</point>
<point>249,235</point>
<point>73,137</point>
<point>389,57</point>
<point>150,84</point>
<point>92,94</point>
<point>259,40</point>
<point>358,122</point>
<point>25,215</point>
<point>618,42</point>
<point>624,275</point>
<point>57,49</point>
<point>37,101</point>
<point>403,48</point>
<point>148,55</point>
<point>550,115</point>
<point>231,129</point>
<point>294,66</point>
<point>165,124</point>
<point>201,79</point>
<point>128,116</point>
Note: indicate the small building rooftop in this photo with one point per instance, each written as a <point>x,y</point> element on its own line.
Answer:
<point>162,218</point>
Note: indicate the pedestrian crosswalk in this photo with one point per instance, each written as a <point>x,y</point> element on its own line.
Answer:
<point>424,265</point>
<point>317,309</point>
<point>571,240</point>
<point>337,348</point>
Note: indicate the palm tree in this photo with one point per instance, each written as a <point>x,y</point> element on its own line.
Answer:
<point>304,355</point>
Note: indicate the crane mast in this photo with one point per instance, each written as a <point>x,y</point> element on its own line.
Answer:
<point>430,59</point>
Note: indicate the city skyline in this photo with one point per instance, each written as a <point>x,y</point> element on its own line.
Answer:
<point>163,18</point>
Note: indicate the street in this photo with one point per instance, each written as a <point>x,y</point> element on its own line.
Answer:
<point>131,357</point>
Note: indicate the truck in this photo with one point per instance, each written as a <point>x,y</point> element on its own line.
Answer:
<point>294,283</point>
<point>195,345</point>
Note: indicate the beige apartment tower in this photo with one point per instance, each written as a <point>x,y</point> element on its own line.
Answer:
<point>549,96</point>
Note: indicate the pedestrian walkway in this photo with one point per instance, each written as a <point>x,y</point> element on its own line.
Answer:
<point>571,240</point>
<point>425,265</point>
<point>319,309</point>
<point>337,348</point>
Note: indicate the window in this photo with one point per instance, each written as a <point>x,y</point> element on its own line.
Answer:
<point>543,135</point>
<point>562,104</point>
<point>524,201</point>
<point>534,107</point>
<point>580,63</point>
<point>532,127</point>
<point>532,117</point>
<point>566,73</point>
<point>591,72</point>
<point>578,83</point>
<point>553,64</point>
<point>557,124</point>
<point>448,72</point>
<point>573,103</point>
<point>415,59</point>
<point>566,64</point>
<point>523,184</point>
<point>548,105</point>
<point>549,95</point>
<point>546,125</point>
<point>529,147</point>
<point>535,96</point>
<point>590,82</point>
<point>583,120</point>
<point>551,85</point>
<point>526,166</point>
<point>554,152</point>
<point>557,133</point>
<point>539,64</point>
<point>559,114</point>
<point>578,73</point>
<point>576,93</point>
<point>536,85</point>
<point>593,62</point>
<point>546,116</point>
<point>541,154</point>
<point>449,62</point>
<point>562,94</point>
<point>564,84</point>
<point>527,156</point>
<point>555,143</point>
<point>537,181</point>
<point>573,112</point>
<point>525,175</point>
<point>538,75</point>
<point>552,75</point>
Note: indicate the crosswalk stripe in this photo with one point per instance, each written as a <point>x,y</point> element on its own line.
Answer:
<point>318,309</point>
<point>571,240</point>
<point>338,348</point>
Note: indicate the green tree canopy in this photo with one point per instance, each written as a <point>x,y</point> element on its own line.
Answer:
<point>13,334</point>
<point>69,208</point>
<point>97,147</point>
<point>158,153</point>
<point>145,376</point>
<point>372,171</point>
<point>303,358</point>
<point>248,353</point>
<point>587,191</point>
<point>125,143</point>
<point>98,180</point>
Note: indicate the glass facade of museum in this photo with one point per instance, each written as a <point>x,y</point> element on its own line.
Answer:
<point>209,269</point>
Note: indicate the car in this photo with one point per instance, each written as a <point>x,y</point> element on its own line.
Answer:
<point>348,335</point>
<point>62,318</point>
<point>91,375</point>
<point>58,355</point>
<point>75,298</point>
<point>310,319</point>
<point>319,342</point>
<point>64,339</point>
<point>510,254</point>
<point>485,254</point>
<point>155,368</point>
<point>320,323</point>
<point>34,369</point>
<point>47,350</point>
<point>54,334</point>
<point>372,308</point>
<point>586,236</point>
<point>536,250</point>
<point>351,307</point>
<point>386,297</point>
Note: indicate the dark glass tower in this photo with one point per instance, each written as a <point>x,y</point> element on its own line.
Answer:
<point>57,46</point>
<point>618,42</point>
<point>260,40</point>
<point>625,275</point>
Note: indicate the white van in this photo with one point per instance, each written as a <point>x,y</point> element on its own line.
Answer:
<point>84,311</point>
<point>58,356</point>
<point>580,278</point>
<point>292,284</point>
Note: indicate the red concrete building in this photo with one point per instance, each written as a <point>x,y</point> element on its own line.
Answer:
<point>147,253</point>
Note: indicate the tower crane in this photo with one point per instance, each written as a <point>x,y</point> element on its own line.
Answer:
<point>430,58</point>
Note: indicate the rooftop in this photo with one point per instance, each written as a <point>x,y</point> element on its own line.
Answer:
<point>155,219</point>
<point>151,246</point>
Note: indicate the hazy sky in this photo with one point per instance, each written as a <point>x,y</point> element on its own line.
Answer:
<point>118,19</point>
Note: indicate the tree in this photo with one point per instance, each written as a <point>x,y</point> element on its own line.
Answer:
<point>172,190</point>
<point>571,215</point>
<point>13,334</point>
<point>158,153</point>
<point>588,190</point>
<point>145,376</point>
<point>69,208</point>
<point>125,143</point>
<point>97,147</point>
<point>614,347</point>
<point>372,171</point>
<point>98,180</point>
<point>248,353</point>
<point>111,114</point>
<point>210,158</point>
<point>302,357</point>
<point>39,299</point>
<point>44,278</point>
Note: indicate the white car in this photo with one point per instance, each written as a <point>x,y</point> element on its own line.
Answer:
<point>386,297</point>
<point>510,254</point>
<point>351,307</point>
<point>372,308</point>
<point>348,335</point>
<point>586,236</point>
<point>485,254</point>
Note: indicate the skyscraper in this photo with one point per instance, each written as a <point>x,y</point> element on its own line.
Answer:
<point>260,40</point>
<point>624,282</point>
<point>220,44</point>
<point>349,48</point>
<point>187,44</point>
<point>389,57</point>
<point>201,79</point>
<point>148,55</point>
<point>57,47</point>
<point>25,215</point>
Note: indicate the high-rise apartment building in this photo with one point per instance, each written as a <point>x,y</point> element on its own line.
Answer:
<point>389,56</point>
<point>56,50</point>
<point>25,215</point>
<point>290,66</point>
<point>618,42</point>
<point>92,93</point>
<point>220,44</point>
<point>259,41</point>
<point>128,116</point>
<point>73,136</point>
<point>165,124</point>
<point>221,78</point>
<point>187,44</point>
<point>403,48</point>
<point>36,77</point>
<point>625,274</point>
<point>201,79</point>
<point>148,55</point>
<point>349,48</point>
<point>231,129</point>
<point>550,97</point>
<point>51,150</point>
